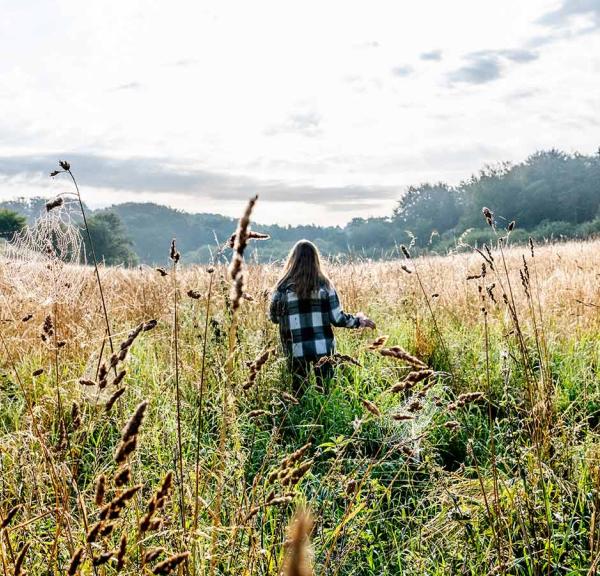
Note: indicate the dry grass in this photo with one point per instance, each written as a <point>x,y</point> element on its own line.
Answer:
<point>387,439</point>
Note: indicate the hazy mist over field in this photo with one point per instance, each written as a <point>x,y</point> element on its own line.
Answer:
<point>328,110</point>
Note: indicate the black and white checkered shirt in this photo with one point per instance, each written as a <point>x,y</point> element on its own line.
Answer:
<point>305,326</point>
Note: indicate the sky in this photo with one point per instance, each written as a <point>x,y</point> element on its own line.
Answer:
<point>327,109</point>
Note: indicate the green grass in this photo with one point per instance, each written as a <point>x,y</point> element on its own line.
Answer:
<point>424,498</point>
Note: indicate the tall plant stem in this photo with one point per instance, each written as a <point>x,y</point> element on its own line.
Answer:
<point>529,374</point>
<point>200,402</point>
<point>178,396</point>
<point>56,366</point>
<point>222,442</point>
<point>95,260</point>
<point>492,442</point>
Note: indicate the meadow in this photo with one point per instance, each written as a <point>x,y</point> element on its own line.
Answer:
<point>460,437</point>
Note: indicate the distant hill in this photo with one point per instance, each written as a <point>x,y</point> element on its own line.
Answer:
<point>551,196</point>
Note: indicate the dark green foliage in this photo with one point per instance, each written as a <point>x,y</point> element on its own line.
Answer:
<point>429,209</point>
<point>551,196</point>
<point>110,239</point>
<point>10,222</point>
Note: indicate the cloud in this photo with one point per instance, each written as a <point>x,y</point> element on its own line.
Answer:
<point>488,65</point>
<point>363,84</point>
<point>480,70</point>
<point>305,122</point>
<point>368,45</point>
<point>402,71</point>
<point>128,86</point>
<point>433,55</point>
<point>519,55</point>
<point>185,62</point>
<point>160,175</point>
<point>569,8</point>
<point>523,94</point>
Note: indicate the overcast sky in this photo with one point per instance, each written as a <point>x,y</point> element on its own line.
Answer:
<point>328,109</point>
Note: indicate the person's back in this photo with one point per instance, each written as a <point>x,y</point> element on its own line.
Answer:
<point>306,306</point>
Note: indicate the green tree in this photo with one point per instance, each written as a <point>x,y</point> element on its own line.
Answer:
<point>10,222</point>
<point>428,209</point>
<point>110,239</point>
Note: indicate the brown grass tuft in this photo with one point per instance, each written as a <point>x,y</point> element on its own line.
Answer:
<point>168,565</point>
<point>100,490</point>
<point>9,517</point>
<point>371,407</point>
<point>378,342</point>
<point>75,562</point>
<point>297,560</point>
<point>20,559</point>
<point>401,354</point>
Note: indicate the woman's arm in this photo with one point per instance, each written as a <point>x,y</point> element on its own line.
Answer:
<point>275,307</point>
<point>341,319</point>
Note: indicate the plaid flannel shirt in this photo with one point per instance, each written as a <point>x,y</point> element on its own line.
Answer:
<point>305,326</point>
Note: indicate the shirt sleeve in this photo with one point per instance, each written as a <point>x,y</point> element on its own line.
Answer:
<point>337,316</point>
<point>275,307</point>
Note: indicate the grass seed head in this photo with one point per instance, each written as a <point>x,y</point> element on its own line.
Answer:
<point>100,490</point>
<point>75,562</point>
<point>378,342</point>
<point>94,531</point>
<point>288,397</point>
<point>55,203</point>
<point>401,354</point>
<point>371,407</point>
<point>153,554</point>
<point>111,401</point>
<point>123,476</point>
<point>402,417</point>
<point>9,517</point>
<point>488,215</point>
<point>119,377</point>
<point>121,552</point>
<point>295,456</point>
<point>297,560</point>
<point>133,426</point>
<point>239,245</point>
<point>103,558</point>
<point>167,566</point>
<point>173,253</point>
<point>86,382</point>
<point>149,325</point>
<point>20,559</point>
<point>124,449</point>
<point>75,416</point>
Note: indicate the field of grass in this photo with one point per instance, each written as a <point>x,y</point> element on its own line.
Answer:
<point>472,448</point>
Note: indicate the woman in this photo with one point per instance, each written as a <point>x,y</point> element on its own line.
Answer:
<point>306,306</point>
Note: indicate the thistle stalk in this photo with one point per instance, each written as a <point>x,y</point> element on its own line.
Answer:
<point>175,256</point>
<point>201,398</point>
<point>67,168</point>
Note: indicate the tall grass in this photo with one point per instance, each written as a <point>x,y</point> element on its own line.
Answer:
<point>463,440</point>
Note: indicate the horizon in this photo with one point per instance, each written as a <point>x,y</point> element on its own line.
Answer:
<point>234,100</point>
<point>152,201</point>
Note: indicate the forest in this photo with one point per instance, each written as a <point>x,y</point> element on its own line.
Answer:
<point>551,196</point>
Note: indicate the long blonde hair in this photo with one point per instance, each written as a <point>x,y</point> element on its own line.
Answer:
<point>303,270</point>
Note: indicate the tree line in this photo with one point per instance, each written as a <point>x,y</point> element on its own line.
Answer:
<point>551,196</point>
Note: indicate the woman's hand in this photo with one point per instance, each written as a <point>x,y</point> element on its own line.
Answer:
<point>365,321</point>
